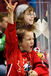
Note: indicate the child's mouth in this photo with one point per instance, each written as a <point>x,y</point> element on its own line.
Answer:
<point>31,47</point>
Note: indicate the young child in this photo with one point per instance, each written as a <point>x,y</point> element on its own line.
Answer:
<point>22,61</point>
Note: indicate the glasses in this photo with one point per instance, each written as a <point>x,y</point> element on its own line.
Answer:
<point>29,14</point>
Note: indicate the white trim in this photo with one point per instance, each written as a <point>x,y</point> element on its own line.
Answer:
<point>9,70</point>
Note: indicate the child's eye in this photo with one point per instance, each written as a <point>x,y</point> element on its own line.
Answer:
<point>31,39</point>
<point>28,39</point>
<point>29,14</point>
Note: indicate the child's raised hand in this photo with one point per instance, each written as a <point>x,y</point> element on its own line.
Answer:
<point>10,7</point>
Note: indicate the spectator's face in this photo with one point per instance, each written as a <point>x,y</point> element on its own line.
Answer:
<point>28,41</point>
<point>3,24</point>
<point>5,21</point>
<point>29,17</point>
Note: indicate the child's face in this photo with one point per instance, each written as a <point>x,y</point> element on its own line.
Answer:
<point>28,41</point>
<point>29,17</point>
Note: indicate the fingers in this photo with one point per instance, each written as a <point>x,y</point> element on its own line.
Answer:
<point>32,73</point>
<point>10,1</point>
<point>10,7</point>
<point>15,4</point>
<point>6,2</point>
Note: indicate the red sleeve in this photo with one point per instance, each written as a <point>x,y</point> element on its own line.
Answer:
<point>11,41</point>
<point>40,68</point>
<point>11,70</point>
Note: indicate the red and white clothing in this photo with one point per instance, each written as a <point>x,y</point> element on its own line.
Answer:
<point>16,59</point>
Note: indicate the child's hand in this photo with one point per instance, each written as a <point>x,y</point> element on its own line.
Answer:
<point>10,7</point>
<point>32,73</point>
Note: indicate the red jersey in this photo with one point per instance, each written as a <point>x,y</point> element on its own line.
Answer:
<point>18,60</point>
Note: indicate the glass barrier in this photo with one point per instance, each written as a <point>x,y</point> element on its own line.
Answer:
<point>43,26</point>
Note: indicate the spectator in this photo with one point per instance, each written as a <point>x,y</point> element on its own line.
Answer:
<point>3,21</point>
<point>2,59</point>
<point>3,26</point>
